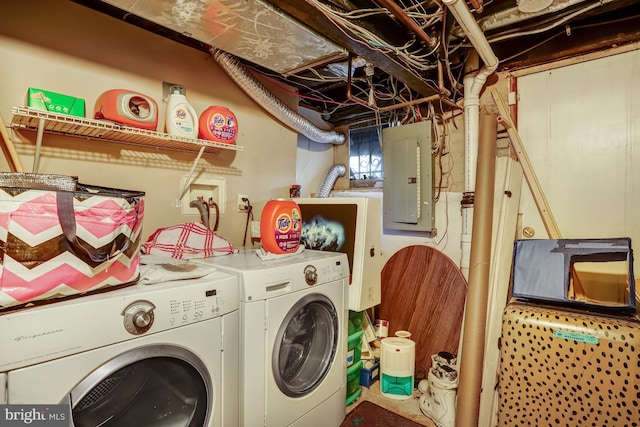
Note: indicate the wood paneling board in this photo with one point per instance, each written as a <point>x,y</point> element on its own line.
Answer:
<point>423,291</point>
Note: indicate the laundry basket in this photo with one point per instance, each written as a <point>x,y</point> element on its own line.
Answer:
<point>397,367</point>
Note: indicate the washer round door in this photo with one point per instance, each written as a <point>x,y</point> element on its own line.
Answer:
<point>157,385</point>
<point>305,346</point>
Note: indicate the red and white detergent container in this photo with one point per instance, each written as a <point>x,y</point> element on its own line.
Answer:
<point>218,124</point>
<point>281,226</point>
<point>128,108</point>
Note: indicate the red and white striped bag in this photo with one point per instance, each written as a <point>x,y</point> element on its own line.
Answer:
<point>190,240</point>
<point>56,243</point>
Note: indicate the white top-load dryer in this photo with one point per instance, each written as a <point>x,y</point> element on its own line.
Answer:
<point>164,354</point>
<point>293,339</point>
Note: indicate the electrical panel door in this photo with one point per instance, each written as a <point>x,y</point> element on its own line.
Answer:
<point>408,178</point>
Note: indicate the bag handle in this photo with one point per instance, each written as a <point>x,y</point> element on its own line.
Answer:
<point>67,218</point>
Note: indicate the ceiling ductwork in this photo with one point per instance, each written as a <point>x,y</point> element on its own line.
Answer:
<point>251,29</point>
<point>415,49</point>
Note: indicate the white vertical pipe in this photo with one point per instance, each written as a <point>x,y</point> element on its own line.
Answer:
<point>471,123</point>
<point>473,84</point>
<point>471,119</point>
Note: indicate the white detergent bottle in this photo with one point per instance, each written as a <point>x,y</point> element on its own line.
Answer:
<point>181,119</point>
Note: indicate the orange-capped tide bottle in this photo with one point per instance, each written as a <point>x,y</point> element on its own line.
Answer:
<point>281,226</point>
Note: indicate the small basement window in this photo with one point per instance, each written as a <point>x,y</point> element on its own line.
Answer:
<point>365,156</point>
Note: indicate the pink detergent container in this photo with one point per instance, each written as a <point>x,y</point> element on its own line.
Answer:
<point>218,124</point>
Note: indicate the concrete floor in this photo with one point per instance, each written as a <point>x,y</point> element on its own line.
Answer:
<point>409,408</point>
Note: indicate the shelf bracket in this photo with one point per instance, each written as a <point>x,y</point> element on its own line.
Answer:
<point>10,150</point>
<point>36,157</point>
<point>187,181</point>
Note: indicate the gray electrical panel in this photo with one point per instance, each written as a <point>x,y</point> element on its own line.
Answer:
<point>408,177</point>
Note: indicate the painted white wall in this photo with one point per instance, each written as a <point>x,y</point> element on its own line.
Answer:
<point>580,126</point>
<point>67,48</point>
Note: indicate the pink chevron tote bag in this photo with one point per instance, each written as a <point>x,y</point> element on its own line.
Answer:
<point>60,238</point>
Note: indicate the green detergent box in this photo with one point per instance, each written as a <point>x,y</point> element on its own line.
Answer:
<point>55,102</point>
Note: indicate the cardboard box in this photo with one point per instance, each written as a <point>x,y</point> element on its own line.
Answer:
<point>53,102</point>
<point>576,273</point>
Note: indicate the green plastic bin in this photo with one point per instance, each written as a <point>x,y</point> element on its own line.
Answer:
<point>353,382</point>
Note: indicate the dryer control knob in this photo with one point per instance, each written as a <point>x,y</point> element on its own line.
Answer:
<point>138,317</point>
<point>310,275</point>
<point>142,319</point>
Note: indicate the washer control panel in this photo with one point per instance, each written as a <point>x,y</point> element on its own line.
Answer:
<point>330,271</point>
<point>52,331</point>
<point>138,317</point>
<point>180,305</point>
<point>193,308</point>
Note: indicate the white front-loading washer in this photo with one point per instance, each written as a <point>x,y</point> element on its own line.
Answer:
<point>146,355</point>
<point>293,337</point>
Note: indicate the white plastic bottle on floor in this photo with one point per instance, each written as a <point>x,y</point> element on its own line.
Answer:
<point>181,119</point>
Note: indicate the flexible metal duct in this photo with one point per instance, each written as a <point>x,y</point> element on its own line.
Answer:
<point>335,172</point>
<point>267,100</point>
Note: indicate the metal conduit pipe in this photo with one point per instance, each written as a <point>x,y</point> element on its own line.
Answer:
<point>267,100</point>
<point>399,13</point>
<point>335,172</point>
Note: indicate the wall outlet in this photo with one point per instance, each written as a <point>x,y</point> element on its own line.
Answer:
<point>242,205</point>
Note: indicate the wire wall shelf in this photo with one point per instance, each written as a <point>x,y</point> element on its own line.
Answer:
<point>62,124</point>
